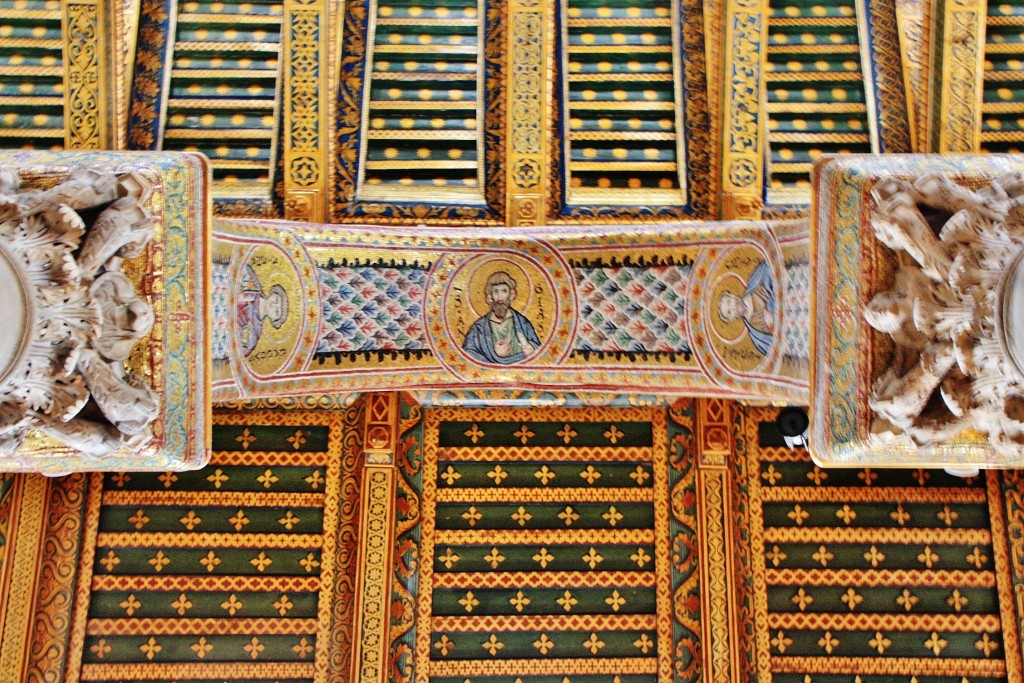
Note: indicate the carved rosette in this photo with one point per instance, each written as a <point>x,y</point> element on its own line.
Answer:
<point>954,312</point>
<point>70,316</point>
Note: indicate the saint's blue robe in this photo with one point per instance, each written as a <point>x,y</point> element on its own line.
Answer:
<point>479,342</point>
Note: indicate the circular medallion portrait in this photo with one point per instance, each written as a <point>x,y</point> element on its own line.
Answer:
<point>500,309</point>
<point>269,310</point>
<point>741,309</point>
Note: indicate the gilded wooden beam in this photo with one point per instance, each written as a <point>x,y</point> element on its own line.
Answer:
<point>743,143</point>
<point>963,55</point>
<point>527,103</point>
<point>86,77</point>
<point>304,138</point>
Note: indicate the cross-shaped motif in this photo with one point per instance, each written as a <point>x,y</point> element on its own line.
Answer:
<point>851,599</point>
<point>492,645</point>
<point>159,561</point>
<point>283,605</point>
<point>522,516</point>
<point>802,599</point>
<point>449,558</point>
<point>245,438</point>
<point>201,647</point>
<point>255,647</point>
<point>867,476</point>
<point>880,642</point>
<point>520,601</point>
<point>900,516</point>
<point>776,556</point>
<point>544,644</point>
<point>232,604</point>
<point>121,478</point>
<point>543,557</point>
<point>613,516</point>
<point>303,648</point>
<point>289,520</point>
<point>314,480</point>
<point>296,440</point>
<point>817,475</point>
<point>150,648</point>
<point>110,561</point>
<point>139,519</point>
<point>472,516</point>
<point>567,433</point>
<point>474,433</point>
<point>615,601</point>
<point>210,561</point>
<point>498,475</point>
<point>976,558</point>
<point>568,515</point>
<point>907,600</point>
<point>239,520</point>
<point>590,474</point>
<point>444,645</point>
<point>594,644</point>
<point>100,649</point>
<point>798,514</point>
<point>927,557</point>
<point>494,558</point>
<point>613,434</point>
<point>567,601</point>
<point>643,643</point>
<point>986,644</point>
<point>167,479</point>
<point>524,434</point>
<point>781,642</point>
<point>956,600</point>
<point>823,556</point>
<point>828,642</point>
<point>469,602</point>
<point>936,644</point>
<point>846,513</point>
<point>217,478</point>
<point>191,520</point>
<point>261,561</point>
<point>640,557</point>
<point>545,474</point>
<point>639,475</point>
<point>309,562</point>
<point>268,479</point>
<point>182,605</point>
<point>771,475</point>
<point>130,604</point>
<point>451,475</point>
<point>592,558</point>
<point>947,515</point>
<point>874,556</point>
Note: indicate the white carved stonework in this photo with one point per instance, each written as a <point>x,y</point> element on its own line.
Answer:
<point>70,317</point>
<point>955,312</point>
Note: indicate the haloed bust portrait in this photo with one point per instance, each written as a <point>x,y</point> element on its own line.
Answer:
<point>502,335</point>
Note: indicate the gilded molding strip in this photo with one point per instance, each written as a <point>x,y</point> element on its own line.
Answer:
<point>945,623</point>
<point>25,541</point>
<point>186,670</point>
<point>553,454</point>
<point>914,26</point>
<point>890,666</point>
<point>374,571</point>
<point>306,500</point>
<point>191,582</point>
<point>881,577</point>
<point>161,626</point>
<point>743,141</point>
<point>546,622</point>
<point>894,494</point>
<point>527,495</point>
<point>85,109</point>
<point>901,536</point>
<point>1009,611</point>
<point>543,579</point>
<point>83,586</point>
<point>305,155</point>
<point>885,85</point>
<point>717,627</point>
<point>527,140</point>
<point>548,667</point>
<point>963,57</point>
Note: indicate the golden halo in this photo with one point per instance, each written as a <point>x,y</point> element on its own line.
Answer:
<point>478,278</point>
